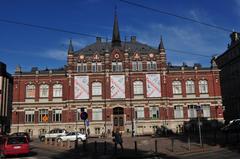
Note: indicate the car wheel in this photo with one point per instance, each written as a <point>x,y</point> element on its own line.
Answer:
<point>59,140</point>
<point>42,139</point>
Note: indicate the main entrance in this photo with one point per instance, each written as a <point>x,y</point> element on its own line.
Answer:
<point>118,118</point>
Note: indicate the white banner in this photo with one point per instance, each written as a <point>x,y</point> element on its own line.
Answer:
<point>117,86</point>
<point>81,87</point>
<point>153,85</point>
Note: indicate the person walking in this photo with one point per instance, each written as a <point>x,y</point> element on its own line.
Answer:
<point>118,140</point>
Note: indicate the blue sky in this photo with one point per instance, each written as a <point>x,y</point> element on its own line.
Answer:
<point>31,47</point>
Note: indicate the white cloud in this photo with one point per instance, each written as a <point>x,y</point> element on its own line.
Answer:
<point>55,54</point>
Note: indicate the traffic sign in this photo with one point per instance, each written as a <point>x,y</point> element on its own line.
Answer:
<point>84,115</point>
<point>45,118</point>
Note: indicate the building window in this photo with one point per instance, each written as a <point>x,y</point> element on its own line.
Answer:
<point>116,66</point>
<point>206,110</point>
<point>139,112</point>
<point>97,114</point>
<point>96,89</point>
<point>82,67</point>
<point>42,113</point>
<point>190,88</point>
<point>154,112</point>
<point>29,116</point>
<point>96,67</point>
<point>192,111</point>
<point>203,86</point>
<point>177,87</point>
<point>44,90</point>
<point>97,131</point>
<point>137,66</point>
<point>178,111</point>
<point>79,111</point>
<point>30,91</point>
<point>57,115</point>
<point>57,90</point>
<point>138,87</point>
<point>151,65</point>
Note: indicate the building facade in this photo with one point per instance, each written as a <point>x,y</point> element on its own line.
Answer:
<point>229,64</point>
<point>6,84</point>
<point>126,85</point>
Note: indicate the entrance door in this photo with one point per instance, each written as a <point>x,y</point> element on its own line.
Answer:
<point>118,118</point>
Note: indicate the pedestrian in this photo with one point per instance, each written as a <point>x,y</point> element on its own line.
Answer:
<point>118,139</point>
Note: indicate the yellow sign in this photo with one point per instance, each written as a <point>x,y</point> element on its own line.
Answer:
<point>45,118</point>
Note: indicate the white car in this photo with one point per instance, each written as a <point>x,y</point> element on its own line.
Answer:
<point>52,134</point>
<point>72,137</point>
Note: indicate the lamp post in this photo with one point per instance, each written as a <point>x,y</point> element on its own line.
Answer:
<point>199,110</point>
<point>76,142</point>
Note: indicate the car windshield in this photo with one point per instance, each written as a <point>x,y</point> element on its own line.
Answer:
<point>16,140</point>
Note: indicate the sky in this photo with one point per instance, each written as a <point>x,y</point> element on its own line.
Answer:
<point>32,47</point>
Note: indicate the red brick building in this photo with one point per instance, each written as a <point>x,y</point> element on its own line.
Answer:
<point>126,85</point>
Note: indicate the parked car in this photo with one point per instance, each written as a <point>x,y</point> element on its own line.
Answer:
<point>234,125</point>
<point>53,134</point>
<point>24,134</point>
<point>72,137</point>
<point>14,145</point>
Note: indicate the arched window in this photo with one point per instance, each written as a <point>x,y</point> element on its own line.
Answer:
<point>138,87</point>
<point>30,91</point>
<point>96,88</point>
<point>190,88</point>
<point>177,87</point>
<point>44,90</point>
<point>57,90</point>
<point>203,86</point>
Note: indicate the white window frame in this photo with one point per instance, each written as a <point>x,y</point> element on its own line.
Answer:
<point>30,91</point>
<point>117,66</point>
<point>203,86</point>
<point>151,65</point>
<point>206,110</point>
<point>154,112</point>
<point>41,113</point>
<point>97,114</point>
<point>57,90</point>
<point>82,67</point>
<point>178,112</point>
<point>138,87</point>
<point>190,87</point>
<point>177,87</point>
<point>192,111</point>
<point>29,116</point>
<point>139,113</point>
<point>96,89</point>
<point>56,115</point>
<point>44,91</point>
<point>136,65</point>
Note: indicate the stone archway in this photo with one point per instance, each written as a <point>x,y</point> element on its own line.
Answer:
<point>118,118</point>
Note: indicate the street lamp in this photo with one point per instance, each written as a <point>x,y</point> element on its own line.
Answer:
<point>199,112</point>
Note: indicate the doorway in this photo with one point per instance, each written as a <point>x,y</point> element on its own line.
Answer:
<point>118,118</point>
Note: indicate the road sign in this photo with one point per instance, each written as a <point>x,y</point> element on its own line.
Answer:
<point>84,115</point>
<point>45,118</point>
<point>87,122</point>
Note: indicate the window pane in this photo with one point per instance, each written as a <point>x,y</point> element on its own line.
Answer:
<point>97,114</point>
<point>30,91</point>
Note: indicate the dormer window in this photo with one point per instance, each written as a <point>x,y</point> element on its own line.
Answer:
<point>82,67</point>
<point>116,66</point>
<point>151,65</point>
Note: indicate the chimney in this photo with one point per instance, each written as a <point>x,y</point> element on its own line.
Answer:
<point>133,39</point>
<point>98,39</point>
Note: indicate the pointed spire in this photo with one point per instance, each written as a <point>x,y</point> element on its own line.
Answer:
<point>161,47</point>
<point>70,47</point>
<point>116,40</point>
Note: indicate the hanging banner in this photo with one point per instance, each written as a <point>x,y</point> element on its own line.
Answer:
<point>117,86</point>
<point>153,85</point>
<point>81,87</point>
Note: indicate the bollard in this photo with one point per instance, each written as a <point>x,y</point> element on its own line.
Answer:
<point>189,143</point>
<point>135,145</point>
<point>156,148</point>
<point>68,144</point>
<point>46,141</point>
<point>105,147</point>
<point>50,141</point>
<point>215,137</point>
<point>172,139</point>
<point>61,144</point>
<point>95,146</point>
<point>55,142</point>
<point>76,144</point>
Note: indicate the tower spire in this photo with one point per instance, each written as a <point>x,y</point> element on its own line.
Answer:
<point>161,46</point>
<point>116,40</point>
<point>70,47</point>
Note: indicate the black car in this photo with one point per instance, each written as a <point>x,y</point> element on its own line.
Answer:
<point>24,134</point>
<point>233,126</point>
